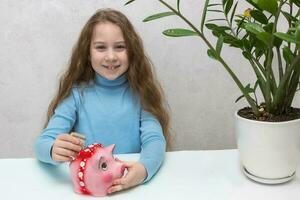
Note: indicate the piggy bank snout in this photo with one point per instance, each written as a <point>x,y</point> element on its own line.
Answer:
<point>119,169</point>
<point>121,166</point>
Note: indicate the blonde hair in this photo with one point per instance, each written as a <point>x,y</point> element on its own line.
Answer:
<point>141,76</point>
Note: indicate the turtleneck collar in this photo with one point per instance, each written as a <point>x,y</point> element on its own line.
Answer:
<point>100,80</point>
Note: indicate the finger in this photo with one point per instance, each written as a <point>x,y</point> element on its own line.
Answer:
<point>69,138</point>
<point>68,145</point>
<point>82,142</point>
<point>119,181</point>
<point>128,164</point>
<point>65,152</point>
<point>60,158</point>
<point>78,135</point>
<point>125,181</point>
<point>115,188</point>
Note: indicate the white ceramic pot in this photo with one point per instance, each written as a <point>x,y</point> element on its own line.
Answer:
<point>269,151</point>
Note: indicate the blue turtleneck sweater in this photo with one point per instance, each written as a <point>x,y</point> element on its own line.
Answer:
<point>107,112</point>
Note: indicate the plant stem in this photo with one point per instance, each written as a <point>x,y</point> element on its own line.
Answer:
<point>219,58</point>
<point>261,81</point>
<point>279,63</point>
<point>261,68</point>
<point>230,25</point>
<point>279,97</point>
<point>203,17</point>
<point>293,84</point>
<point>290,24</point>
<point>178,5</point>
<point>298,13</point>
<point>269,106</point>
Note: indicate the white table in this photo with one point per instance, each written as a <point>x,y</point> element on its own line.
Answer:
<point>185,175</point>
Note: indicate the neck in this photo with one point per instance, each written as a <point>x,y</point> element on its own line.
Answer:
<point>102,81</point>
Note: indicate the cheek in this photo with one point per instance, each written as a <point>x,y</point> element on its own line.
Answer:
<point>124,57</point>
<point>96,57</point>
<point>107,177</point>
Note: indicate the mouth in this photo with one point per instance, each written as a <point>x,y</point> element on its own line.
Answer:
<point>111,67</point>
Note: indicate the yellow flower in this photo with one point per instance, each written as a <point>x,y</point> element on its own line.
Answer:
<point>247,13</point>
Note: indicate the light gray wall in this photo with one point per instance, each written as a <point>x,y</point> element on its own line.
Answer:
<point>36,38</point>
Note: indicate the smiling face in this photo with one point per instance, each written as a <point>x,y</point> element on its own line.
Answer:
<point>108,53</point>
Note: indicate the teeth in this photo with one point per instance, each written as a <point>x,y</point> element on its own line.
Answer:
<point>111,67</point>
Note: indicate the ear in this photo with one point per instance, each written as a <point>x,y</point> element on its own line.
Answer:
<point>110,148</point>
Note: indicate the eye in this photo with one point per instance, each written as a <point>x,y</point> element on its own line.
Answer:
<point>120,47</point>
<point>103,166</point>
<point>100,47</point>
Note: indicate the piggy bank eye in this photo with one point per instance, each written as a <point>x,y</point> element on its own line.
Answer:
<point>104,166</point>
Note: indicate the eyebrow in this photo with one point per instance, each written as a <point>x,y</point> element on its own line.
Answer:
<point>100,42</point>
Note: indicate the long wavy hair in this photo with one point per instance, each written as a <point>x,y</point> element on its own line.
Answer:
<point>141,75</point>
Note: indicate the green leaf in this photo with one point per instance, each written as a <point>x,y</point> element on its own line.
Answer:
<point>219,11</point>
<point>253,4</point>
<point>211,26</point>
<point>259,53</point>
<point>214,4</point>
<point>239,98</point>
<point>277,42</point>
<point>297,36</point>
<point>240,24</point>
<point>228,6</point>
<point>292,29</point>
<point>129,2</point>
<point>219,44</point>
<point>212,54</point>
<point>159,15</point>
<point>212,20</point>
<point>247,55</point>
<point>179,32</point>
<point>269,27</point>
<point>289,17</point>
<point>254,28</point>
<point>216,33</point>
<point>204,15</point>
<point>247,45</point>
<point>233,12</point>
<point>234,42</point>
<point>287,37</point>
<point>216,27</point>
<point>296,2</point>
<point>259,16</point>
<point>265,37</point>
<point>269,5</point>
<point>287,55</point>
<point>178,5</point>
<point>255,85</point>
<point>248,90</point>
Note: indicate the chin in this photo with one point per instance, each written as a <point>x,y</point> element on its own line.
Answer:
<point>111,77</point>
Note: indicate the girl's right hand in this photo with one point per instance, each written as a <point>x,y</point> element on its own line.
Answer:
<point>65,148</point>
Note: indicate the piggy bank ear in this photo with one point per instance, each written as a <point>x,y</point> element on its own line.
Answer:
<point>110,148</point>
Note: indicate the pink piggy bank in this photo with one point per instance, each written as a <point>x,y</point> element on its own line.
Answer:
<point>94,169</point>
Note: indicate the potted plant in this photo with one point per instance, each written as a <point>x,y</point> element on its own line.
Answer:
<point>268,131</point>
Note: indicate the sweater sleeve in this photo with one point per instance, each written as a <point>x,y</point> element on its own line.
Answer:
<point>62,121</point>
<point>153,144</point>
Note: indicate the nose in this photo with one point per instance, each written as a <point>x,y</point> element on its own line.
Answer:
<point>110,56</point>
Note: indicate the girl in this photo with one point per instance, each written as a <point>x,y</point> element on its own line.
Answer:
<point>109,94</point>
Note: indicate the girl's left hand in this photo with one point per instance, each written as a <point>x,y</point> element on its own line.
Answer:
<point>136,175</point>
